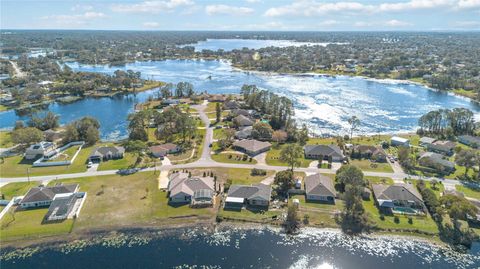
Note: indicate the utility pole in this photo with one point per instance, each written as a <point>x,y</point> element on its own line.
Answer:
<point>28,175</point>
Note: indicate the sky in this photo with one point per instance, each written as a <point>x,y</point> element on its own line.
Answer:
<point>242,15</point>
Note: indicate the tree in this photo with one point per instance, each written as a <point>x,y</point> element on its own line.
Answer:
<point>405,159</point>
<point>284,179</point>
<point>279,136</point>
<point>92,135</point>
<point>136,147</point>
<point>262,131</point>
<point>457,207</point>
<point>292,222</point>
<point>354,123</point>
<point>302,136</point>
<point>290,155</point>
<point>218,110</point>
<point>468,158</point>
<point>349,175</point>
<point>49,121</point>
<point>27,136</point>
<point>70,134</point>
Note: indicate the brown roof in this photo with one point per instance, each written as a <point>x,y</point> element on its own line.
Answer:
<point>319,184</point>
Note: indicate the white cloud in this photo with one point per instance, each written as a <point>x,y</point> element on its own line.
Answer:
<point>151,24</point>
<point>415,4</point>
<point>77,17</point>
<point>253,1</point>
<point>228,10</point>
<point>313,8</point>
<point>464,4</point>
<point>79,7</point>
<point>397,23</point>
<point>363,24</point>
<point>468,24</point>
<point>328,23</point>
<point>151,6</point>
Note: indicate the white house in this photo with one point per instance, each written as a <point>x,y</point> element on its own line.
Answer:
<point>399,141</point>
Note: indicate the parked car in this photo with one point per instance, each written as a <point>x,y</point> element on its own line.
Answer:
<point>89,164</point>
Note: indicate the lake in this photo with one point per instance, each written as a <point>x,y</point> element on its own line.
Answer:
<point>236,44</point>
<point>233,248</point>
<point>324,102</point>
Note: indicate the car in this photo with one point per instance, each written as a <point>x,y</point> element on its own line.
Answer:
<point>89,164</point>
<point>210,145</point>
<point>218,127</point>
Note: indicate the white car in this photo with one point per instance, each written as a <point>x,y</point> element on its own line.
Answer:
<point>89,164</point>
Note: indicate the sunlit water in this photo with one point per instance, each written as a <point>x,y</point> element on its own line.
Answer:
<point>232,44</point>
<point>232,248</point>
<point>324,102</point>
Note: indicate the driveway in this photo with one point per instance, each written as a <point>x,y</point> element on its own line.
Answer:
<point>260,158</point>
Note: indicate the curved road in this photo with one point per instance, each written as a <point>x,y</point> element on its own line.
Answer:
<point>206,161</point>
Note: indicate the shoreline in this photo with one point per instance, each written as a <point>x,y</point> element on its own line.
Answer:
<point>169,229</point>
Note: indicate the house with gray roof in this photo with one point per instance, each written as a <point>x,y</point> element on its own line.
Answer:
<point>197,191</point>
<point>244,133</point>
<point>315,151</point>
<point>242,121</point>
<point>162,150</point>
<point>253,195</point>
<point>398,197</point>
<point>65,206</point>
<point>371,152</point>
<point>442,146</point>
<point>43,196</point>
<point>436,161</point>
<point>319,187</point>
<point>106,153</point>
<point>469,140</point>
<point>425,141</point>
<point>41,149</point>
<point>252,147</point>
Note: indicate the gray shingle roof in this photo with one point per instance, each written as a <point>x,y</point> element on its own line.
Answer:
<point>38,194</point>
<point>437,158</point>
<point>252,145</point>
<point>405,192</point>
<point>319,184</point>
<point>325,150</point>
<point>180,182</point>
<point>104,151</point>
<point>249,192</point>
<point>243,121</point>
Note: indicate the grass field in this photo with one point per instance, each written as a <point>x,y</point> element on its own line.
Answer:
<point>367,165</point>
<point>17,188</point>
<point>255,215</point>
<point>318,214</point>
<point>127,161</point>
<point>273,157</point>
<point>233,158</point>
<point>5,139</point>
<point>468,191</point>
<point>16,166</point>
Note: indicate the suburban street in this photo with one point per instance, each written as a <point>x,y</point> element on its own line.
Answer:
<point>206,161</point>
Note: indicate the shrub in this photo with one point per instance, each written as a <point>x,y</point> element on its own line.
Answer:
<point>410,220</point>
<point>396,219</point>
<point>258,172</point>
<point>382,217</point>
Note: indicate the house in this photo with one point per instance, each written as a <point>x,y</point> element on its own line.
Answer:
<point>231,105</point>
<point>443,147</point>
<point>65,206</point>
<point>197,191</point>
<point>162,150</point>
<point>425,141</point>
<point>320,188</point>
<point>170,101</point>
<point>252,147</point>
<point>238,112</point>
<point>369,152</point>
<point>106,153</point>
<point>327,151</point>
<point>399,141</point>
<point>472,141</point>
<point>244,133</point>
<point>52,135</point>
<point>242,121</point>
<point>43,196</point>
<point>253,195</point>
<point>398,198</point>
<point>436,161</point>
<point>42,149</point>
<point>217,98</point>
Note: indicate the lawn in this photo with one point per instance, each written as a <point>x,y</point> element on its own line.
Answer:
<point>123,201</point>
<point>367,165</point>
<point>237,175</point>
<point>5,139</point>
<point>218,133</point>
<point>127,161</point>
<point>469,191</point>
<point>211,107</point>
<point>420,223</point>
<point>233,158</point>
<point>379,180</point>
<point>319,214</point>
<point>17,188</point>
<point>28,224</point>
<point>273,157</point>
<point>16,166</point>
<point>254,215</point>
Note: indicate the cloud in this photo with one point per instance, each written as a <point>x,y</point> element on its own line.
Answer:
<point>79,7</point>
<point>415,4</point>
<point>151,24</point>
<point>468,4</point>
<point>228,10</point>
<point>363,24</point>
<point>77,17</point>
<point>328,23</point>
<point>253,1</point>
<point>397,23</point>
<point>151,6</point>
<point>313,8</point>
<point>468,24</point>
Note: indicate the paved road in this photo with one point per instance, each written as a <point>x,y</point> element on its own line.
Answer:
<point>206,161</point>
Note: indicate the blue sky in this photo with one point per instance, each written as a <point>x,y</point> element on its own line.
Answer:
<point>271,15</point>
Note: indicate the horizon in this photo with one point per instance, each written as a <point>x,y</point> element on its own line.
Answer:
<point>245,15</point>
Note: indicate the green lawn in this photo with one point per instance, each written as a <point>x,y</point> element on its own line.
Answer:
<point>379,180</point>
<point>233,158</point>
<point>273,157</point>
<point>211,107</point>
<point>28,224</point>
<point>16,166</point>
<point>17,188</point>
<point>5,139</point>
<point>468,191</point>
<point>127,161</point>
<point>367,165</point>
<point>218,133</point>
<point>255,215</point>
<point>420,223</point>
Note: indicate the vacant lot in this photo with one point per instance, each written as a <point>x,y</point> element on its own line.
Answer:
<point>233,158</point>
<point>367,165</point>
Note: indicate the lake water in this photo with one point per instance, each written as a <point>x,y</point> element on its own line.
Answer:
<point>228,248</point>
<point>236,44</point>
<point>324,102</point>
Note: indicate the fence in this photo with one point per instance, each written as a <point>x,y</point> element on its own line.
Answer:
<point>42,163</point>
